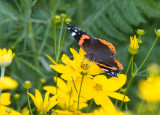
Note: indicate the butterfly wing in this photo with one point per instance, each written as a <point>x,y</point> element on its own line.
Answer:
<point>98,50</point>
<point>103,55</point>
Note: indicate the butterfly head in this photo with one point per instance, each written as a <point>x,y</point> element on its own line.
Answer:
<point>76,33</point>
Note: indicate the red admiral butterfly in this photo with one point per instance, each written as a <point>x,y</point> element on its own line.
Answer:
<point>98,50</point>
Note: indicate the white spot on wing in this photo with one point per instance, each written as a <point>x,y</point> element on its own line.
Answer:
<point>69,28</point>
<point>105,69</point>
<point>76,31</point>
<point>73,33</point>
<point>112,73</point>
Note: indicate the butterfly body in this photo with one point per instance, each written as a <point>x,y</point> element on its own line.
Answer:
<point>99,51</point>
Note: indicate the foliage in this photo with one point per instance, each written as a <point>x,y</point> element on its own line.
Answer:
<point>26,26</point>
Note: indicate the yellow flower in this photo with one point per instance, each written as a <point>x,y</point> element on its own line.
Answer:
<point>73,68</point>
<point>5,101</point>
<point>101,111</point>
<point>66,97</point>
<point>6,57</point>
<point>8,83</point>
<point>65,112</point>
<point>153,68</point>
<point>149,89</point>
<point>100,88</point>
<point>134,46</point>
<point>47,104</point>
<point>25,111</point>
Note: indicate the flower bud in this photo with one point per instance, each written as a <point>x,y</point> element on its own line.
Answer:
<point>27,84</point>
<point>42,80</point>
<point>157,32</point>
<point>123,90</point>
<point>140,32</point>
<point>63,15</point>
<point>68,20</point>
<point>17,96</point>
<point>8,110</point>
<point>140,41</point>
<point>134,46</point>
<point>56,19</point>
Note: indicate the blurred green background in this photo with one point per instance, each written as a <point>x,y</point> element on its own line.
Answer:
<point>26,26</point>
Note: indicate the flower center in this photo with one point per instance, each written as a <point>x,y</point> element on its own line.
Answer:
<point>76,113</point>
<point>84,66</point>
<point>98,87</point>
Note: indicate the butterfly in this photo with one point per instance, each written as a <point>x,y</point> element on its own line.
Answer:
<point>99,51</point>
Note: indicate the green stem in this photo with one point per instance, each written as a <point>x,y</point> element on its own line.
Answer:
<point>89,106</point>
<point>69,99</point>
<point>140,107</point>
<point>126,74</point>
<point>18,107</point>
<point>2,78</point>
<point>62,43</point>
<point>29,103</point>
<point>128,65</point>
<point>150,107</point>
<point>2,73</point>
<point>147,55</point>
<point>130,81</point>
<point>79,93</point>
<point>60,38</point>
<point>55,44</point>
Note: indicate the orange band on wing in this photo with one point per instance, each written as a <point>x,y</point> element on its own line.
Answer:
<point>118,64</point>
<point>81,41</point>
<point>111,47</point>
<point>112,68</point>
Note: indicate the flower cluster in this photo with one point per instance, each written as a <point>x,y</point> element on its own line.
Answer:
<point>82,78</point>
<point>6,83</point>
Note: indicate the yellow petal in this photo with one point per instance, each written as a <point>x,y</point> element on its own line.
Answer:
<point>3,111</point>
<point>82,52</point>
<point>46,102</point>
<point>65,59</point>
<point>52,102</point>
<point>4,51</point>
<point>38,97</point>
<point>94,69</point>
<point>51,59</point>
<point>118,96</point>
<point>108,107</point>
<point>5,99</point>
<point>34,100</point>
<point>100,97</point>
<point>74,53</point>
<point>100,79</point>
<point>61,84</point>
<point>51,89</point>
<point>25,111</point>
<point>88,91</point>
<point>113,84</point>
<point>60,68</point>
<point>8,83</point>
